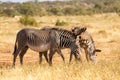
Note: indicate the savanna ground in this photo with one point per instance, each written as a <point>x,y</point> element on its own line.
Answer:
<point>105,30</point>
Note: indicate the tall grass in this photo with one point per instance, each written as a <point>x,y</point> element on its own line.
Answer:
<point>85,71</point>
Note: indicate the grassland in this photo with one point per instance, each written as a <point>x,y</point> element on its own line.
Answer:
<point>105,30</point>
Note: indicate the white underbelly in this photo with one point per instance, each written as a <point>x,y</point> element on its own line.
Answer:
<point>39,48</point>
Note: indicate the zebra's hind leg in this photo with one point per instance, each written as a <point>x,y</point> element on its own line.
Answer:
<point>60,53</point>
<point>22,53</point>
<point>40,56</point>
<point>15,55</point>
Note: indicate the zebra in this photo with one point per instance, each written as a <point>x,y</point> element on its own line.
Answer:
<point>87,43</point>
<point>67,40</point>
<point>35,39</point>
<point>42,40</point>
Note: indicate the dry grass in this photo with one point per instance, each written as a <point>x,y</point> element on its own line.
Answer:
<point>105,29</point>
<point>102,71</point>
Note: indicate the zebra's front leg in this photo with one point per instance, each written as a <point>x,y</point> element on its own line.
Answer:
<point>40,57</point>
<point>50,57</point>
<point>46,56</point>
<point>70,58</point>
<point>77,55</point>
<point>87,55</point>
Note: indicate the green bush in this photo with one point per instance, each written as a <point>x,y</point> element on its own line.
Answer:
<point>118,14</point>
<point>54,11</point>
<point>8,12</point>
<point>102,31</point>
<point>26,20</point>
<point>61,23</point>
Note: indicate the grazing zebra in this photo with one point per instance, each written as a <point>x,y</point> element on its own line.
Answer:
<point>86,42</point>
<point>44,40</point>
<point>67,40</point>
<point>35,39</point>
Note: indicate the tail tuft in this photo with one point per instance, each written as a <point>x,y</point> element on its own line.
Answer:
<point>15,47</point>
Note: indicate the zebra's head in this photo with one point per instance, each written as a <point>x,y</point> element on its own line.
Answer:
<point>77,30</point>
<point>86,42</point>
<point>91,50</point>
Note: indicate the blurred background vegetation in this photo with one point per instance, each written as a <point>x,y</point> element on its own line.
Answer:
<point>59,8</point>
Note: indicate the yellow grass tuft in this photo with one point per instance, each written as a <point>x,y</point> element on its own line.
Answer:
<point>86,71</point>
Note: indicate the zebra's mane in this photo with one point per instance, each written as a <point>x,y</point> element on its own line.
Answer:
<point>59,29</point>
<point>91,39</point>
<point>64,30</point>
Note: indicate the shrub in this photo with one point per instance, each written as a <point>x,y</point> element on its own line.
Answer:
<point>102,31</point>
<point>60,23</point>
<point>54,11</point>
<point>27,9</point>
<point>9,12</point>
<point>69,11</point>
<point>118,14</point>
<point>26,20</point>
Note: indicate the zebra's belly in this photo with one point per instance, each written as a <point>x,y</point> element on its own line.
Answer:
<point>39,48</point>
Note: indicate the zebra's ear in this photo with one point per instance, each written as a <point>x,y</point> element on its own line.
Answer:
<point>73,29</point>
<point>97,50</point>
<point>83,29</point>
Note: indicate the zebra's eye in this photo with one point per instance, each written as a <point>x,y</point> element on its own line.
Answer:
<point>82,41</point>
<point>73,30</point>
<point>79,37</point>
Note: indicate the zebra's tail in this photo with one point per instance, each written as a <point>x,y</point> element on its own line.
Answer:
<point>15,47</point>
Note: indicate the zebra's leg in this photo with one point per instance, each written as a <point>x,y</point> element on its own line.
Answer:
<point>75,52</point>
<point>87,55</point>
<point>15,55</point>
<point>46,56</point>
<point>22,53</point>
<point>60,53</point>
<point>50,56</point>
<point>77,56</point>
<point>70,58</point>
<point>40,57</point>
